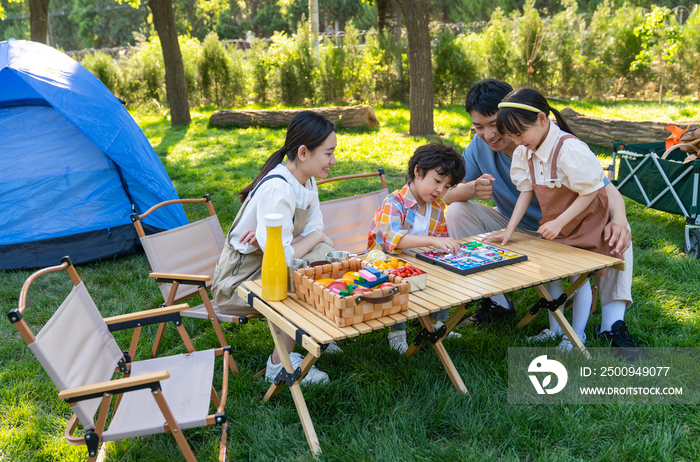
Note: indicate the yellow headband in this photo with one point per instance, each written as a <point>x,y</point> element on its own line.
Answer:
<point>519,106</point>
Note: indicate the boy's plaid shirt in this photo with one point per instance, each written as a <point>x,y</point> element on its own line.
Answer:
<point>395,218</point>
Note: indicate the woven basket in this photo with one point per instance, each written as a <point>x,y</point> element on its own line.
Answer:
<point>352,309</point>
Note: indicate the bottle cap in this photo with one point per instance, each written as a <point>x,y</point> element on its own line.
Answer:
<point>274,219</point>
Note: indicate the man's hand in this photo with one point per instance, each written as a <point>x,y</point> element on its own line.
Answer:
<point>504,236</point>
<point>618,236</point>
<point>483,187</point>
<point>550,230</point>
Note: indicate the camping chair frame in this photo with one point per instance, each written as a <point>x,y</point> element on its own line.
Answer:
<point>202,282</point>
<point>113,391</point>
<point>342,217</point>
<point>634,158</point>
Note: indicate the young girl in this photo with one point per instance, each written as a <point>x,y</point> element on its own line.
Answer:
<point>287,188</point>
<point>567,179</point>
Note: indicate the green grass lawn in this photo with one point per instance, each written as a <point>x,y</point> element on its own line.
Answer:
<point>378,406</point>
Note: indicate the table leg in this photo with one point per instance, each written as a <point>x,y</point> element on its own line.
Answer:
<point>440,349</point>
<point>527,319</point>
<point>561,319</point>
<point>295,389</point>
<point>309,360</point>
<point>450,324</point>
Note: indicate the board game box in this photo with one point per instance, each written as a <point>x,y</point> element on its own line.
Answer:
<point>475,256</point>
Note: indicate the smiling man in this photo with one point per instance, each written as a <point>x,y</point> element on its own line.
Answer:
<point>488,158</point>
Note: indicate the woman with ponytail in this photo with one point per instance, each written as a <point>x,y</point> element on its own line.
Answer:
<point>565,175</point>
<point>287,188</point>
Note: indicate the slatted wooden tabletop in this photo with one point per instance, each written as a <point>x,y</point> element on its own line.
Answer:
<point>547,261</point>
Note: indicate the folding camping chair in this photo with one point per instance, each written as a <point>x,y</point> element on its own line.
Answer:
<point>187,256</point>
<point>79,353</point>
<point>346,220</point>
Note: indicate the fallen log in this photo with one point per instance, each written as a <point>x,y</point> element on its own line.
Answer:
<point>343,116</point>
<point>604,131</point>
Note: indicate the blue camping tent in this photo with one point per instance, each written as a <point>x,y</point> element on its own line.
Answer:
<point>74,165</point>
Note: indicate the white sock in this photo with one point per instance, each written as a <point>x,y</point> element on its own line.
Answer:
<point>582,308</point>
<point>612,312</point>
<point>501,300</point>
<point>555,289</point>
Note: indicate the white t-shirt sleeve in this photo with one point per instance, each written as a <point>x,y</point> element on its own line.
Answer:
<point>275,196</point>
<point>581,167</point>
<point>520,170</point>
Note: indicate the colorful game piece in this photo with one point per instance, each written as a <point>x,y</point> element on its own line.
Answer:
<point>361,282</point>
<point>475,256</point>
<point>369,277</point>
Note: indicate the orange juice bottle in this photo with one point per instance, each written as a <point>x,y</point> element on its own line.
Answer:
<point>274,263</point>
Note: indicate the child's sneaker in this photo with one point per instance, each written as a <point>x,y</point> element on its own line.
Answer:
<point>333,349</point>
<point>314,376</point>
<point>566,345</point>
<point>547,334</point>
<point>452,335</point>
<point>397,341</point>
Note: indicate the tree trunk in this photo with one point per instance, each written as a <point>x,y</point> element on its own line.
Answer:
<point>313,20</point>
<point>389,18</point>
<point>175,85</point>
<point>604,131</point>
<point>38,20</point>
<point>191,15</point>
<point>345,116</point>
<point>420,66</point>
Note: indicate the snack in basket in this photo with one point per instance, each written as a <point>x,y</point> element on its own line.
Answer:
<point>375,255</point>
<point>407,271</point>
<point>387,296</point>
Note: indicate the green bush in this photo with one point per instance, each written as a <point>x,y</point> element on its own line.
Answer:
<point>530,66</point>
<point>496,50</point>
<point>294,65</point>
<point>686,71</point>
<point>453,73</point>
<point>191,50</point>
<point>358,73</point>
<point>105,68</point>
<point>579,56</point>
<point>215,70</point>
<point>610,48</point>
<point>389,66</point>
<point>564,34</point>
<point>144,74</point>
<point>261,66</point>
<point>332,73</point>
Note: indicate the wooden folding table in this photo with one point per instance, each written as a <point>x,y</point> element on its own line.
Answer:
<point>547,261</point>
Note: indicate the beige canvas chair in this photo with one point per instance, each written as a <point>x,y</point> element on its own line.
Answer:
<point>183,260</point>
<point>77,350</point>
<point>346,221</point>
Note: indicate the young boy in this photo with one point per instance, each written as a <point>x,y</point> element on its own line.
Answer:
<point>414,216</point>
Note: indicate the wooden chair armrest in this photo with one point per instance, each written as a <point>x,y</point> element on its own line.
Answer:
<point>113,386</point>
<point>180,278</point>
<point>206,199</point>
<point>146,314</point>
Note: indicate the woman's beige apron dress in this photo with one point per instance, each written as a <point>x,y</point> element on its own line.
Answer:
<point>584,231</point>
<point>235,268</point>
